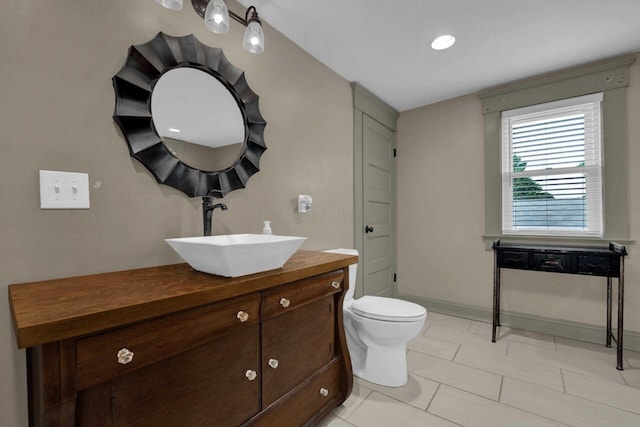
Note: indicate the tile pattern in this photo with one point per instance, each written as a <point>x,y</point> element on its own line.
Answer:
<point>457,377</point>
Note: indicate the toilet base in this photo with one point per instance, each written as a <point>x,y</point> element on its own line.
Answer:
<point>384,366</point>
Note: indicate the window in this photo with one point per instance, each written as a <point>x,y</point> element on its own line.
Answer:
<point>610,78</point>
<point>552,169</point>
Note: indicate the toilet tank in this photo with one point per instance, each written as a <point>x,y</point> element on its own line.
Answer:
<point>353,271</point>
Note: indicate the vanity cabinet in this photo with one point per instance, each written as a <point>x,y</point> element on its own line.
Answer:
<point>169,346</point>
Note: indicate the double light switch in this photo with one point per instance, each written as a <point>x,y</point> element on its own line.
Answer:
<point>64,190</point>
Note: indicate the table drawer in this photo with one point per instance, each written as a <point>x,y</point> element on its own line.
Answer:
<point>552,262</point>
<point>511,259</point>
<point>102,357</point>
<point>285,298</point>
<point>598,266</point>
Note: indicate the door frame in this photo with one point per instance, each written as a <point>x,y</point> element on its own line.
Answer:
<point>364,102</point>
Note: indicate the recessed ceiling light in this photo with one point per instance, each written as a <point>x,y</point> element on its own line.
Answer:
<point>443,42</point>
<point>174,130</point>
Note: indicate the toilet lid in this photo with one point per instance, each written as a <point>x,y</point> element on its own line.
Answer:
<point>390,309</point>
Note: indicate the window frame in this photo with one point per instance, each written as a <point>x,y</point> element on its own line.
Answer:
<point>611,78</point>
<point>592,172</point>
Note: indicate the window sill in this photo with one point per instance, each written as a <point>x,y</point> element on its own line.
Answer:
<point>554,240</point>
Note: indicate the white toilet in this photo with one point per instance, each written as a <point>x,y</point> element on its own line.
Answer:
<point>377,331</point>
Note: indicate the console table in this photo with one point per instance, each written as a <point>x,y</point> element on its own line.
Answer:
<point>586,260</point>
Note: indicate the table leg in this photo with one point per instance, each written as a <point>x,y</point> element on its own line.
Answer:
<point>608,341</point>
<point>496,296</point>
<point>620,313</point>
<point>498,300</point>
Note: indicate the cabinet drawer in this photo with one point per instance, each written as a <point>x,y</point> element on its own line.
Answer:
<point>598,266</point>
<point>102,357</point>
<point>509,259</point>
<point>552,262</point>
<point>289,297</point>
<point>309,398</point>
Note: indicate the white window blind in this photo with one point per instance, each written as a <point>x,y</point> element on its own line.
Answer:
<point>552,168</point>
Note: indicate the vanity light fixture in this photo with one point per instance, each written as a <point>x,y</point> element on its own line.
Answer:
<point>216,18</point>
<point>171,4</point>
<point>443,42</point>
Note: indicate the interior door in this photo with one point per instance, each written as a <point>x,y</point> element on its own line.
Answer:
<point>378,257</point>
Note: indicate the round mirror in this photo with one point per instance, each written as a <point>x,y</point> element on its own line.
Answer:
<point>198,119</point>
<point>206,134</point>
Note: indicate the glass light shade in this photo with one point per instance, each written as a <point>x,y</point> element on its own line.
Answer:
<point>216,16</point>
<point>171,4</point>
<point>253,40</point>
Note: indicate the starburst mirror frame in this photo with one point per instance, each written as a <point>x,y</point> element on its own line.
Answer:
<point>134,85</point>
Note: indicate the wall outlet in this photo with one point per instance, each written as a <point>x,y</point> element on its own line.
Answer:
<point>64,190</point>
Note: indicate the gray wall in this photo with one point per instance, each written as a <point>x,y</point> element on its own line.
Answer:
<point>56,103</point>
<point>441,215</point>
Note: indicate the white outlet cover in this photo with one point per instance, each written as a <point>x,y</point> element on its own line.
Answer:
<point>64,190</point>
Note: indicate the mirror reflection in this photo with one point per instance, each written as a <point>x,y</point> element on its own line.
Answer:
<point>198,119</point>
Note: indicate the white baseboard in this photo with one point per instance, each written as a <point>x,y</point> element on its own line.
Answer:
<point>563,328</point>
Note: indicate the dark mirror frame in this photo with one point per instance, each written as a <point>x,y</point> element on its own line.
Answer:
<point>133,86</point>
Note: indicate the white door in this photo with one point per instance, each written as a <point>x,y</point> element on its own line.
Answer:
<point>378,259</point>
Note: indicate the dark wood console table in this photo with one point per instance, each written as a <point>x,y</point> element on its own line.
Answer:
<point>587,260</point>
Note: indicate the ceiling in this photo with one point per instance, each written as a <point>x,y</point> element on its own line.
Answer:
<point>385,45</point>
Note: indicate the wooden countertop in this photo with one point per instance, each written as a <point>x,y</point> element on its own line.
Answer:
<point>57,309</point>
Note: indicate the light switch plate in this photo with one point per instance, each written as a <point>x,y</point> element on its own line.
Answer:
<point>64,190</point>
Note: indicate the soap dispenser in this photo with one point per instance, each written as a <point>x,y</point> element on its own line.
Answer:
<point>267,227</point>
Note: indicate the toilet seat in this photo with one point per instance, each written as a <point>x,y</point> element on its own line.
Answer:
<point>388,309</point>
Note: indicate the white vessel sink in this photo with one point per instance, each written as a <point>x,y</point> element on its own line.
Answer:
<point>236,255</point>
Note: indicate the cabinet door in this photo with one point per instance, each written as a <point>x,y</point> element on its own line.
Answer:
<point>205,386</point>
<point>158,339</point>
<point>296,345</point>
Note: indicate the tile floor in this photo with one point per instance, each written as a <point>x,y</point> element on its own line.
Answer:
<point>457,377</point>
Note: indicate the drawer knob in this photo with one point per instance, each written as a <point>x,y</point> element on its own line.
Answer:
<point>125,356</point>
<point>285,302</point>
<point>251,375</point>
<point>273,363</point>
<point>324,392</point>
<point>335,285</point>
<point>243,316</point>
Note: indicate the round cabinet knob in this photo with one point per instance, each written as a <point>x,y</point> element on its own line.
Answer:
<point>243,316</point>
<point>273,363</point>
<point>125,356</point>
<point>335,285</point>
<point>285,302</point>
<point>324,392</point>
<point>251,375</point>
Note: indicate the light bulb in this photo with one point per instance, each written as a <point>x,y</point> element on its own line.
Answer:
<point>216,16</point>
<point>253,40</point>
<point>171,4</point>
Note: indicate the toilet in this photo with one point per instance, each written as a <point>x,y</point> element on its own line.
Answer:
<point>377,331</point>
